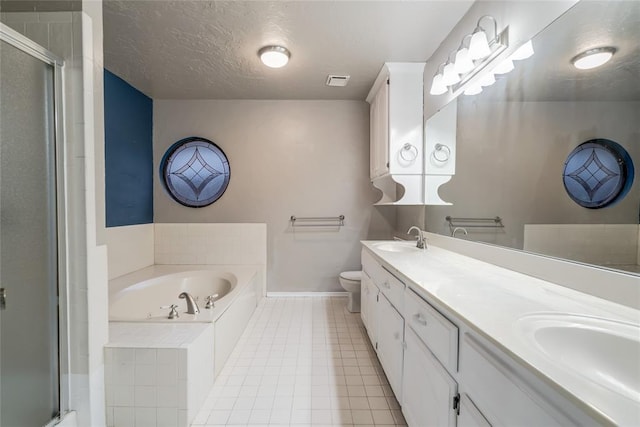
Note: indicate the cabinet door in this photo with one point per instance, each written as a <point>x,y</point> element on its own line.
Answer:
<point>428,390</point>
<point>470,415</point>
<point>390,344</point>
<point>368,307</point>
<point>379,128</point>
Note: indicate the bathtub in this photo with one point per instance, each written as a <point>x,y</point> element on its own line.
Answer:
<point>198,344</point>
<point>139,296</point>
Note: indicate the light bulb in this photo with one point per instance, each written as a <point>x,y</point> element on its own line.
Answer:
<point>478,45</point>
<point>449,76</point>
<point>523,52</point>
<point>437,86</point>
<point>504,67</point>
<point>463,64</point>
<point>274,56</point>
<point>487,80</point>
<point>593,58</point>
<point>473,90</point>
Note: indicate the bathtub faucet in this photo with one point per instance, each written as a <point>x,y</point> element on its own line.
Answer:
<point>210,300</point>
<point>192,305</point>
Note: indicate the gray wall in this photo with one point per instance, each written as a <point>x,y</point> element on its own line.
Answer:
<point>510,161</point>
<point>303,158</point>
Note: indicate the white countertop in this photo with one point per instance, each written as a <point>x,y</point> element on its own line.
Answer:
<point>491,300</point>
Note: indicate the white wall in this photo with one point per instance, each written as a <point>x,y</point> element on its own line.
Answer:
<point>303,158</point>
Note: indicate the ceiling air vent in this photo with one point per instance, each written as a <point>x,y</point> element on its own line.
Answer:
<point>335,80</point>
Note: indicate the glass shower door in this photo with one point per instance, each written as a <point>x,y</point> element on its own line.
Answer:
<point>29,373</point>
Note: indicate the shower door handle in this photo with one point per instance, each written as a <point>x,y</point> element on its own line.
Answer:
<point>3,298</point>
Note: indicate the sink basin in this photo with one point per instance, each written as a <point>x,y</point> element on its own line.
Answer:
<point>601,350</point>
<point>396,246</point>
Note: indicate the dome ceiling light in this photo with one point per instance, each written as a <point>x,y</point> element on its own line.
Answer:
<point>593,58</point>
<point>274,56</point>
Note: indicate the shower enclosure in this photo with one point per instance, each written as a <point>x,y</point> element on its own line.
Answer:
<point>31,234</point>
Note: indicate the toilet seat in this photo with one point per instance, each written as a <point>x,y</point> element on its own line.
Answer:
<point>354,276</point>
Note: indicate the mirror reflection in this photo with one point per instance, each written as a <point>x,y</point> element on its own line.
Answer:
<point>514,139</point>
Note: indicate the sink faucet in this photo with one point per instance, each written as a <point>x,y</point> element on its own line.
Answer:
<point>421,241</point>
<point>192,305</point>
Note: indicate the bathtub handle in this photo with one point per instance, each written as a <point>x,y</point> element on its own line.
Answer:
<point>173,313</point>
<point>209,301</point>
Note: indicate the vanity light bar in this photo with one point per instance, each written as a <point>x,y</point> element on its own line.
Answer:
<point>475,57</point>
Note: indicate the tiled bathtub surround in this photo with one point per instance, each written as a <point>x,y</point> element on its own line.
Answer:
<point>130,248</point>
<point>229,244</point>
<point>153,374</point>
<point>302,361</point>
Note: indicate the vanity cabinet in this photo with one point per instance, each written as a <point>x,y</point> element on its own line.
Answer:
<point>505,394</point>
<point>390,344</point>
<point>470,415</point>
<point>369,307</point>
<point>428,389</point>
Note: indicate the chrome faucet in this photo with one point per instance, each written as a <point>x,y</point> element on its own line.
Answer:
<point>421,242</point>
<point>192,305</point>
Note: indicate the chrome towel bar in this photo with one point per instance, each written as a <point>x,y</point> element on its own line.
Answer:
<point>317,221</point>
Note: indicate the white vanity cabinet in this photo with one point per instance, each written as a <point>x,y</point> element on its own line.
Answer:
<point>428,390</point>
<point>506,394</point>
<point>430,360</point>
<point>382,294</point>
<point>390,344</point>
<point>443,371</point>
<point>369,307</point>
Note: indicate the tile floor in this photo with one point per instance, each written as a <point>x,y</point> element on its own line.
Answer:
<point>302,362</point>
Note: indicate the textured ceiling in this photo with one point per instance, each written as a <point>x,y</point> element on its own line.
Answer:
<point>549,75</point>
<point>208,49</point>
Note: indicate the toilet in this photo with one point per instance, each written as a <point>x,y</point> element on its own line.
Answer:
<point>350,281</point>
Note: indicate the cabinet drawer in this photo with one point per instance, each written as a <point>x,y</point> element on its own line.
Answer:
<point>393,289</point>
<point>388,284</point>
<point>435,330</point>
<point>372,267</point>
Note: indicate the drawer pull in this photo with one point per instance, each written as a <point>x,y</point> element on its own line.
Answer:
<point>396,335</point>
<point>418,318</point>
<point>386,285</point>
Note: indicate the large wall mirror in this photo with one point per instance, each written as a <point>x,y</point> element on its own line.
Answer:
<point>514,139</point>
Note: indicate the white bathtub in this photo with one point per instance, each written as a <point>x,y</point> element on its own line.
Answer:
<point>199,344</point>
<point>137,297</point>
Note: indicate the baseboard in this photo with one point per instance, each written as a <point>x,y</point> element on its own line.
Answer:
<point>305,294</point>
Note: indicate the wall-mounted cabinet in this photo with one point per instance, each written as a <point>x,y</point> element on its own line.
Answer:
<point>396,120</point>
<point>400,154</point>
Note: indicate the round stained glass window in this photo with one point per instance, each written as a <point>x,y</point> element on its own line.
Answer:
<point>597,173</point>
<point>195,171</point>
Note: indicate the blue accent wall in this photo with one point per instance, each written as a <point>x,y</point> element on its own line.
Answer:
<point>128,124</point>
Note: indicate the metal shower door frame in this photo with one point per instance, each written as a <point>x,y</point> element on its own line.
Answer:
<point>28,46</point>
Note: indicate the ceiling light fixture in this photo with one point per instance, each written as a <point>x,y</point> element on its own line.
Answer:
<point>593,58</point>
<point>274,56</point>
